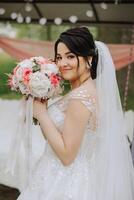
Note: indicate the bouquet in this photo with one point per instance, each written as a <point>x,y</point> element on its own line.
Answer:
<point>36,77</point>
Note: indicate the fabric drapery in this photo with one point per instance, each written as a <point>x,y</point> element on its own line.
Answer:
<point>122,54</point>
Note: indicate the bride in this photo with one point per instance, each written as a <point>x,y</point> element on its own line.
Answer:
<point>87,155</point>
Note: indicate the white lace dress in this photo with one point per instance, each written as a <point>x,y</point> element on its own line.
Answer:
<point>51,179</point>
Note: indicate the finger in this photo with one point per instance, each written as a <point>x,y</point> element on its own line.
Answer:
<point>37,99</point>
<point>44,100</point>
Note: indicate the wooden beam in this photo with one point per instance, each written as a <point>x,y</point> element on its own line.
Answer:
<point>37,9</point>
<point>69,2</point>
<point>95,11</point>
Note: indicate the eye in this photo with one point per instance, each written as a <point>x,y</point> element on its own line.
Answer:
<point>58,58</point>
<point>71,56</point>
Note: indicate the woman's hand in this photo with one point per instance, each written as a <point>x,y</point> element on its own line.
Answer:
<point>39,107</point>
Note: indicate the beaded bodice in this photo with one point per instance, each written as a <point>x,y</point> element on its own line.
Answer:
<point>57,112</point>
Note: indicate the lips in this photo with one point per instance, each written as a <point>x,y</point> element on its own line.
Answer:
<point>65,69</point>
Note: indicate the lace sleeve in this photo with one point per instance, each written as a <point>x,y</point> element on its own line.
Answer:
<point>87,98</point>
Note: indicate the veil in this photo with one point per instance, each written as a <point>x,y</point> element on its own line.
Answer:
<point>20,159</point>
<point>114,172</point>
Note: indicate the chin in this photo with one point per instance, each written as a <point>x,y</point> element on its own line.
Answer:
<point>67,77</point>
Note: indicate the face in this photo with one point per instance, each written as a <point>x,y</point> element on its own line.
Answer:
<point>68,64</point>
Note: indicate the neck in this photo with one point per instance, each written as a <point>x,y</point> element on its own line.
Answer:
<point>76,83</point>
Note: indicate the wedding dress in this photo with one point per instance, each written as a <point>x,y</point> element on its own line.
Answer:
<point>103,168</point>
<point>51,179</point>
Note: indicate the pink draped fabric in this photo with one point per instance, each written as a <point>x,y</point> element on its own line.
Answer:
<point>21,49</point>
<point>122,54</point>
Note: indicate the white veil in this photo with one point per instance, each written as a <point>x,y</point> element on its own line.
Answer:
<point>20,151</point>
<point>114,172</point>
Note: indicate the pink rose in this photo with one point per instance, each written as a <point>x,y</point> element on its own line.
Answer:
<point>54,79</point>
<point>26,75</point>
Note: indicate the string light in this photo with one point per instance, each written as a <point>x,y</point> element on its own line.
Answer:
<point>42,21</point>
<point>73,19</point>
<point>103,5</point>
<point>28,19</point>
<point>116,2</point>
<point>28,7</point>
<point>2,11</point>
<point>20,19</point>
<point>89,13</point>
<point>13,15</point>
<point>58,21</point>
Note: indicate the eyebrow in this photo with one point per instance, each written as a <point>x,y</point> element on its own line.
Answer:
<point>65,53</point>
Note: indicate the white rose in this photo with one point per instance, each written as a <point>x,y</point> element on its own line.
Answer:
<point>23,88</point>
<point>26,63</point>
<point>50,68</point>
<point>39,84</point>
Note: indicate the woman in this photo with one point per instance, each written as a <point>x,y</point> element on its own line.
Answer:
<point>87,155</point>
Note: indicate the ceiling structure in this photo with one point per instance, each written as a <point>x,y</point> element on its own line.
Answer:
<point>68,11</point>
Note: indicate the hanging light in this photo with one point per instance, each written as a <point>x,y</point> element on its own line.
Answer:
<point>28,19</point>
<point>73,19</point>
<point>58,21</point>
<point>103,5</point>
<point>116,2</point>
<point>13,15</point>
<point>89,13</point>
<point>2,11</point>
<point>42,21</point>
<point>28,7</point>
<point>20,19</point>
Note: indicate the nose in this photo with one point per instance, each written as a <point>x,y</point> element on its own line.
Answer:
<point>63,63</point>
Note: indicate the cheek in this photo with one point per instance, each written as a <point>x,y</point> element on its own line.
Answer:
<point>82,65</point>
<point>74,64</point>
<point>58,65</point>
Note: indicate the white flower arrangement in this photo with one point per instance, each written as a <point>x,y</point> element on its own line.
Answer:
<point>36,76</point>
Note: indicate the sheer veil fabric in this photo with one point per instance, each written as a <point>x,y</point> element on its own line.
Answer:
<point>113,168</point>
<point>20,151</point>
<point>114,172</point>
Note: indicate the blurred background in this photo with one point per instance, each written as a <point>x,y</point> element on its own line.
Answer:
<point>30,28</point>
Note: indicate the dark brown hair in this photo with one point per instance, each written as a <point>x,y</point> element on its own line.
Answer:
<point>80,41</point>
